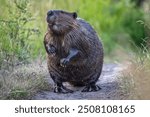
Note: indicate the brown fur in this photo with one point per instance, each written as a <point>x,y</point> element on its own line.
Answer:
<point>66,32</point>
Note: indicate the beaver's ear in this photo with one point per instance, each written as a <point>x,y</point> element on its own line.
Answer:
<point>75,15</point>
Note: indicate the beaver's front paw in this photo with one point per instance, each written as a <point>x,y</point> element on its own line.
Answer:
<point>64,62</point>
<point>51,49</point>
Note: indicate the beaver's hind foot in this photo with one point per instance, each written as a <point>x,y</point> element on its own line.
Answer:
<point>61,89</point>
<point>91,88</point>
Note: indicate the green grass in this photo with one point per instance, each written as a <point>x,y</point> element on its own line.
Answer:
<point>135,79</point>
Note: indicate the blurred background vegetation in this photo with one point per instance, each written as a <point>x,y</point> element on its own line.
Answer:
<point>119,23</point>
<point>123,26</point>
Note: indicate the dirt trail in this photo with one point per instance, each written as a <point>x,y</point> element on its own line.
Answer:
<point>107,81</point>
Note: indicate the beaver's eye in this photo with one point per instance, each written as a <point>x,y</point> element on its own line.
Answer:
<point>62,11</point>
<point>75,15</point>
<point>50,13</point>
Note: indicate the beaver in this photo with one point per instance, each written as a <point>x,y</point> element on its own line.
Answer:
<point>74,51</point>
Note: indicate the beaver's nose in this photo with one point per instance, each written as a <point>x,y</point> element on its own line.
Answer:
<point>50,13</point>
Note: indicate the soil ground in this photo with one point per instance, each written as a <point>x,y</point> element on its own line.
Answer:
<point>108,81</point>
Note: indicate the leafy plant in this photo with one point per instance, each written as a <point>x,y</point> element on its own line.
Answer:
<point>116,22</point>
<point>16,33</point>
<point>136,78</point>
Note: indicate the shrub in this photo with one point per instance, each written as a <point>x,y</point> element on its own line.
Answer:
<point>136,78</point>
<point>133,25</point>
<point>115,21</point>
<point>15,34</point>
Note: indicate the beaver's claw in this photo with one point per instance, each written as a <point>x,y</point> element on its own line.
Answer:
<point>64,62</point>
<point>62,89</point>
<point>91,88</point>
<point>51,50</point>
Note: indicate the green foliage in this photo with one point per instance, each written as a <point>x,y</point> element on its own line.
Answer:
<point>15,33</point>
<point>115,21</point>
<point>134,27</point>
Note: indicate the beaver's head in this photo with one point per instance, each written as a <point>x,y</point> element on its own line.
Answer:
<point>61,22</point>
